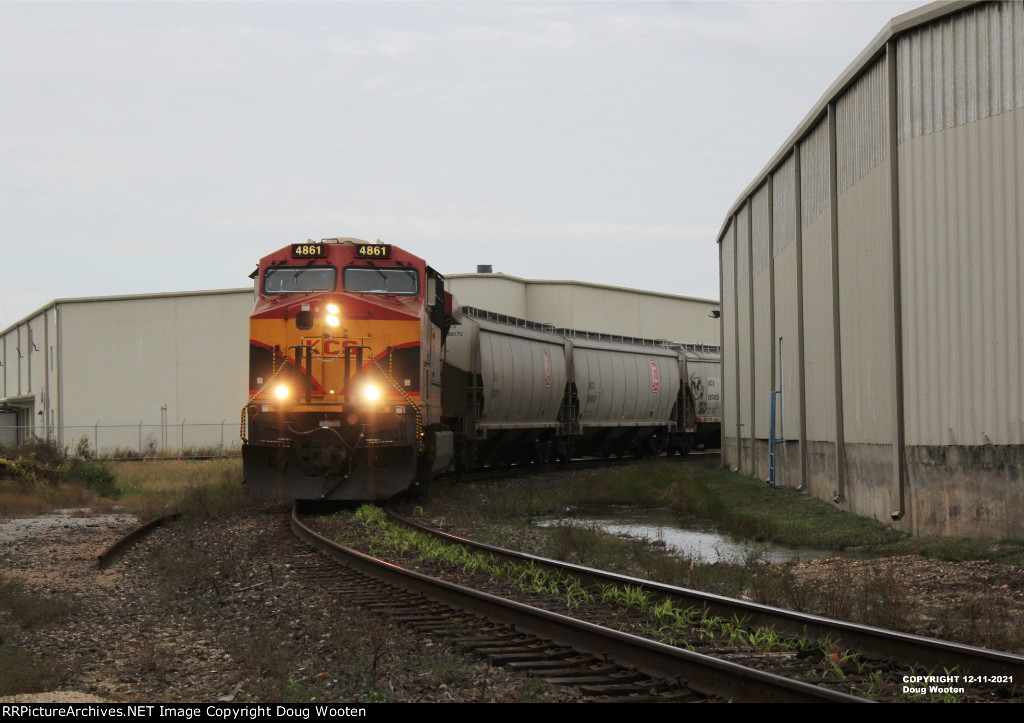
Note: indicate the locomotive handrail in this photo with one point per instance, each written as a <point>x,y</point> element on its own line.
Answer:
<point>243,430</point>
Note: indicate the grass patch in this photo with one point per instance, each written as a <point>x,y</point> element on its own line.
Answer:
<point>29,610</point>
<point>28,500</point>
<point>197,488</point>
<point>22,672</point>
<point>736,504</point>
<point>39,475</point>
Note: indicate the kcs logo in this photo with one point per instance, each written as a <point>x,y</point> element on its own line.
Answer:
<point>328,348</point>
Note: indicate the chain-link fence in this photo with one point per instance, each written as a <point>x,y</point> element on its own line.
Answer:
<point>136,440</point>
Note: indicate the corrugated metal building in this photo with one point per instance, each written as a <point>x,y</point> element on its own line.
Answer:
<point>874,274</point>
<point>158,371</point>
<point>591,307</point>
<point>169,371</point>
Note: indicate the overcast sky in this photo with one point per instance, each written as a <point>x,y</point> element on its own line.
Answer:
<point>153,147</point>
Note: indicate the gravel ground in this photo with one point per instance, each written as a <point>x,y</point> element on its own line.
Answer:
<point>240,624</point>
<point>215,611</point>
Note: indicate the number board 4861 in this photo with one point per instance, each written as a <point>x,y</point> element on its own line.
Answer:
<point>309,251</point>
<point>373,251</point>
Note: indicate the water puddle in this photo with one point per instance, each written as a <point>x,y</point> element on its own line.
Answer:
<point>685,534</point>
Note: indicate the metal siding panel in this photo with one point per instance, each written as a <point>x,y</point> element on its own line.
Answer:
<point>961,69</point>
<point>148,357</point>
<point>21,368</point>
<point>729,390</point>
<point>4,356</point>
<point>786,327</point>
<point>728,270</point>
<point>818,343</point>
<point>34,348</point>
<point>762,321</point>
<point>743,318</point>
<point>666,318</point>
<point>862,126</point>
<point>962,233</point>
<point>743,357</point>
<point>814,175</point>
<point>784,212</point>
<point>865,258</point>
<point>760,231</point>
<point>763,355</point>
<point>865,272</point>
<point>742,251</point>
<point>223,346</point>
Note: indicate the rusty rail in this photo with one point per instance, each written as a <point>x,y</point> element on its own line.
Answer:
<point>105,557</point>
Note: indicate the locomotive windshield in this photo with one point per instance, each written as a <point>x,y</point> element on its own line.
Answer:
<point>377,280</point>
<point>299,279</point>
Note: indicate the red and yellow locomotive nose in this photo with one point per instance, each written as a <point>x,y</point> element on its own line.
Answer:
<point>336,375</point>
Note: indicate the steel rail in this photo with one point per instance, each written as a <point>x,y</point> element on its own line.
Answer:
<point>658,660</point>
<point>105,557</point>
<point>904,647</point>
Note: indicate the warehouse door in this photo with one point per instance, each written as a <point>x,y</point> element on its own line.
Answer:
<point>8,428</point>
<point>16,419</point>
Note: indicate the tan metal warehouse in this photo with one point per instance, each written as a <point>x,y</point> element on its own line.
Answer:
<point>163,371</point>
<point>873,273</point>
<point>168,371</point>
<point>591,307</point>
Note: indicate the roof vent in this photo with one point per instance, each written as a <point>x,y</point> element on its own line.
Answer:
<point>484,269</point>
<point>341,240</point>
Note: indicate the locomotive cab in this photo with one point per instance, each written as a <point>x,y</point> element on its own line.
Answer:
<point>344,372</point>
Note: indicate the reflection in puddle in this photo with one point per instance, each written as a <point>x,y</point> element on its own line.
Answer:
<point>680,533</point>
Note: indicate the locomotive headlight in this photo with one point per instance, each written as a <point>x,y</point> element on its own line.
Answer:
<point>281,391</point>
<point>333,317</point>
<point>371,393</point>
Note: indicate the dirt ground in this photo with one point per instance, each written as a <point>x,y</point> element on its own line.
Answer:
<point>240,625</point>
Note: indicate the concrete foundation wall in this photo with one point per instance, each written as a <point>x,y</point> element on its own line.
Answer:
<point>966,490</point>
<point>821,469</point>
<point>787,464</point>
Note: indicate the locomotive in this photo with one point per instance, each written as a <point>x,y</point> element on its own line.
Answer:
<point>366,376</point>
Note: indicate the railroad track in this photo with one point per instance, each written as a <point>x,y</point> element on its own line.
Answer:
<point>109,554</point>
<point>603,662</point>
<point>903,648</point>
